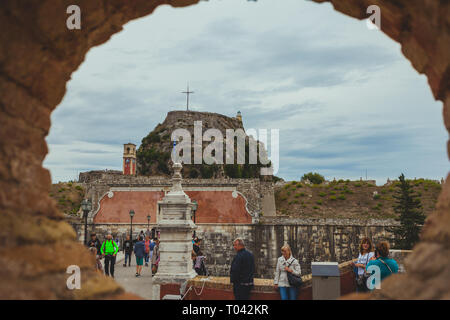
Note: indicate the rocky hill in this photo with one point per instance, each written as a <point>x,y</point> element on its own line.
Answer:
<point>154,153</point>
<point>348,199</point>
<point>68,196</point>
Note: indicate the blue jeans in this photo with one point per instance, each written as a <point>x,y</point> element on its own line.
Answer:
<point>127,255</point>
<point>146,257</point>
<point>288,293</point>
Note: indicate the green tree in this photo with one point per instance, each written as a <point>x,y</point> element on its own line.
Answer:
<point>315,178</point>
<point>411,217</point>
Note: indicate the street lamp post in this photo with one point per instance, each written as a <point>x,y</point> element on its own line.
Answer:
<point>131,224</point>
<point>194,209</point>
<point>86,206</point>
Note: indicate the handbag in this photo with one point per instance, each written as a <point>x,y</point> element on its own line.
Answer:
<point>361,279</point>
<point>294,280</point>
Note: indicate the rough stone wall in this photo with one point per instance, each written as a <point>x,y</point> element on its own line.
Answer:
<point>310,240</point>
<point>42,54</point>
<point>40,58</point>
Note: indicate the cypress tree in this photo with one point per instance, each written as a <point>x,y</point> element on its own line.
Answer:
<point>411,217</point>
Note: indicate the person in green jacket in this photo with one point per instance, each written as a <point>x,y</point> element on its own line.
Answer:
<point>109,250</point>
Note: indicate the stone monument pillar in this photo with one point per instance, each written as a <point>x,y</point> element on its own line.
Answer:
<point>176,227</point>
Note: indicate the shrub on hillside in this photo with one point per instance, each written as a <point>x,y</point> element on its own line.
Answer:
<point>314,178</point>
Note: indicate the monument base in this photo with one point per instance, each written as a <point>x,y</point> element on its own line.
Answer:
<point>169,278</point>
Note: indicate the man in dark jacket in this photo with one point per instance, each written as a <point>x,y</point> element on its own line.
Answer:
<point>242,270</point>
<point>127,248</point>
<point>94,242</point>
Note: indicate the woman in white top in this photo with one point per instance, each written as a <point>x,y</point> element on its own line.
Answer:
<point>286,263</point>
<point>365,255</point>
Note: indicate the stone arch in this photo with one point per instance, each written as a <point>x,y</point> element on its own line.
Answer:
<point>42,54</point>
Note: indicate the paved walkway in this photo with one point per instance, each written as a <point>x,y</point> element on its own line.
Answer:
<point>126,277</point>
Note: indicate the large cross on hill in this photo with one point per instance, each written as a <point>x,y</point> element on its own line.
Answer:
<point>187,92</point>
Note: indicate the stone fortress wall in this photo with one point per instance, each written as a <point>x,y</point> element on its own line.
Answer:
<point>310,240</point>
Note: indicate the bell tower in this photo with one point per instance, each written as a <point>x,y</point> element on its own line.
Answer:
<point>129,159</point>
<point>239,116</point>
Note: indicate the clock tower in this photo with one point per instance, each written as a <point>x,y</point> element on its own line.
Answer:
<point>129,159</point>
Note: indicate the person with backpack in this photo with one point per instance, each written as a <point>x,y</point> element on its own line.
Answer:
<point>127,248</point>
<point>109,250</point>
<point>287,265</point>
<point>387,265</point>
<point>139,252</point>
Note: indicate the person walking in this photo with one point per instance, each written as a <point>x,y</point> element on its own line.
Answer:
<point>117,241</point>
<point>155,257</point>
<point>286,263</point>
<point>365,255</point>
<point>387,265</point>
<point>127,248</point>
<point>109,250</point>
<point>95,243</point>
<point>152,246</point>
<point>139,252</point>
<point>147,250</point>
<point>242,271</point>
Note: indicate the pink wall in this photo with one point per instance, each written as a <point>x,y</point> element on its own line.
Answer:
<point>213,207</point>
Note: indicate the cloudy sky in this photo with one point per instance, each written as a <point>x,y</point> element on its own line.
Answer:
<point>343,97</point>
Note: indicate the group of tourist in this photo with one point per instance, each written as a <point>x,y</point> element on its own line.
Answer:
<point>144,250</point>
<point>287,278</point>
<point>370,256</point>
<point>288,272</point>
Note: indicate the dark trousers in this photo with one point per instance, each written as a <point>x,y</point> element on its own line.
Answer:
<point>128,256</point>
<point>110,260</point>
<point>241,292</point>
